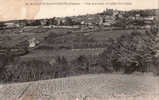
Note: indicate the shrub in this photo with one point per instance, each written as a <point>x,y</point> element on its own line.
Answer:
<point>129,53</point>
<point>28,71</point>
<point>79,65</point>
<point>4,61</point>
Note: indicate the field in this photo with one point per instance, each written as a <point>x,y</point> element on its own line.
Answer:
<point>103,56</point>
<point>86,87</point>
<point>114,86</point>
<point>103,35</point>
<point>68,53</point>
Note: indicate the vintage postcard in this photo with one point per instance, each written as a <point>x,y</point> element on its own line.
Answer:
<point>79,50</point>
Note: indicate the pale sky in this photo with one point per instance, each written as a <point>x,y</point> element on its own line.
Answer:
<point>17,9</point>
<point>54,10</point>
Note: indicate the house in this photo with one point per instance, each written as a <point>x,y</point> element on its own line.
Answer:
<point>90,20</point>
<point>28,28</point>
<point>115,12</point>
<point>33,22</point>
<point>43,22</point>
<point>107,23</point>
<point>131,18</point>
<point>60,21</point>
<point>82,22</point>
<point>138,17</point>
<point>119,15</point>
<point>148,22</point>
<point>150,18</point>
<point>147,26</point>
<point>108,20</point>
<point>11,25</point>
<point>33,42</point>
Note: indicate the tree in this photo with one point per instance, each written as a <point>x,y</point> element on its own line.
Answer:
<point>69,21</point>
<point>129,53</point>
<point>2,24</point>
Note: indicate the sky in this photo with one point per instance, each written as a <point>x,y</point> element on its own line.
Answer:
<point>22,9</point>
<point>84,8</point>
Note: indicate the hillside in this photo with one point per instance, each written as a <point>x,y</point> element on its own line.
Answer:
<point>88,87</point>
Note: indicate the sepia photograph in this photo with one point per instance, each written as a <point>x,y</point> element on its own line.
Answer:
<point>79,50</point>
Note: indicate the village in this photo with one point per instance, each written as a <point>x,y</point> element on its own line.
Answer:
<point>79,50</point>
<point>107,20</point>
<point>108,41</point>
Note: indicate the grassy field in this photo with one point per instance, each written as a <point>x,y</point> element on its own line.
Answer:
<point>104,35</point>
<point>86,87</point>
<point>69,54</point>
<point>99,36</point>
<point>50,53</point>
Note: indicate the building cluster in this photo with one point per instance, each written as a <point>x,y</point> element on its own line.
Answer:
<point>107,18</point>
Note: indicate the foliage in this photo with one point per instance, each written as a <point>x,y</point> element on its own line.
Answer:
<point>68,21</point>
<point>129,53</point>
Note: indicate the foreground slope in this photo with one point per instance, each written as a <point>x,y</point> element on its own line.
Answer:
<point>86,87</point>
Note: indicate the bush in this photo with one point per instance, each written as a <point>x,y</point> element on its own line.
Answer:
<point>5,61</point>
<point>129,53</point>
<point>28,71</point>
<point>79,65</point>
<point>62,67</point>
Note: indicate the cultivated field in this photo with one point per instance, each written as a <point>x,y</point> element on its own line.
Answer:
<point>86,87</point>
<point>70,54</point>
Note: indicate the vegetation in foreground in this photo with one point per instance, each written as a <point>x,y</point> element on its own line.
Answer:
<point>126,54</point>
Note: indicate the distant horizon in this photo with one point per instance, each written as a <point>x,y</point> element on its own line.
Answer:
<point>82,9</point>
<point>73,15</point>
<point>40,9</point>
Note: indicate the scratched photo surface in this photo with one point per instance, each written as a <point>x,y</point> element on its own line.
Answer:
<point>79,50</point>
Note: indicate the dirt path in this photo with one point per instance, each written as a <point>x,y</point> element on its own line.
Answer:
<point>87,87</point>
